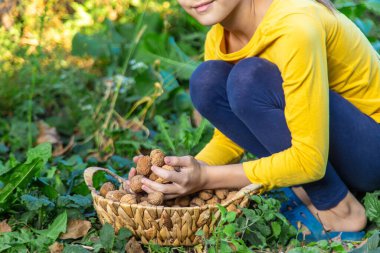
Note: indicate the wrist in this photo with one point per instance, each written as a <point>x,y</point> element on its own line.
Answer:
<point>204,180</point>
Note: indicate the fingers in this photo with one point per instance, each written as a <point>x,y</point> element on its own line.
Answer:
<point>154,186</point>
<point>136,158</point>
<point>131,173</point>
<point>170,175</point>
<point>181,161</point>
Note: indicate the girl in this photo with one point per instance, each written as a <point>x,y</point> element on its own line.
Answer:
<point>297,84</point>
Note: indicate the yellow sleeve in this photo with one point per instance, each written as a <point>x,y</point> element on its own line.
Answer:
<point>300,54</point>
<point>220,150</point>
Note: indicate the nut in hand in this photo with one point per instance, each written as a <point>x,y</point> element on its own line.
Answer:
<point>143,166</point>
<point>157,157</point>
<point>136,184</point>
<point>161,180</point>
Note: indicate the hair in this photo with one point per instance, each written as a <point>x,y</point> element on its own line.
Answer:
<point>328,4</point>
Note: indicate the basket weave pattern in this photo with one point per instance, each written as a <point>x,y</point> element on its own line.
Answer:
<point>166,226</point>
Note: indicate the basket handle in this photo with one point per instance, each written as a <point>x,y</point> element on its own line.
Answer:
<point>249,189</point>
<point>89,173</point>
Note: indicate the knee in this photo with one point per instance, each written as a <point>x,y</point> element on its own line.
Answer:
<point>257,81</point>
<point>207,84</point>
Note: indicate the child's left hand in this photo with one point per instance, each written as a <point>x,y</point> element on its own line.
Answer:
<point>191,177</point>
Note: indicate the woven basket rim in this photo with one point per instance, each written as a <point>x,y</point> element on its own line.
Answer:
<point>90,171</point>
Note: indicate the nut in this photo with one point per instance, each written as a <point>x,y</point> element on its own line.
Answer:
<point>160,179</point>
<point>156,198</point>
<point>231,194</point>
<point>136,183</point>
<point>129,199</point>
<point>157,157</point>
<point>106,187</point>
<point>169,202</point>
<point>115,195</point>
<point>197,202</point>
<point>182,201</point>
<point>144,203</point>
<point>153,176</point>
<point>205,195</point>
<point>221,193</point>
<point>232,208</point>
<point>213,201</point>
<point>143,166</point>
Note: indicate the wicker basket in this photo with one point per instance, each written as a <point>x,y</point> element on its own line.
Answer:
<point>169,226</point>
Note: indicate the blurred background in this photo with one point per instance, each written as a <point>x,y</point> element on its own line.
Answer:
<point>100,72</point>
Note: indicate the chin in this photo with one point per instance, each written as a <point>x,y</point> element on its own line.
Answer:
<point>207,22</point>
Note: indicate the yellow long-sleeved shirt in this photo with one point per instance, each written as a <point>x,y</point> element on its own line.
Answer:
<point>315,51</point>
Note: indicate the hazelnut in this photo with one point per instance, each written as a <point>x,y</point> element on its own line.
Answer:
<point>232,208</point>
<point>156,198</point>
<point>182,201</point>
<point>157,157</point>
<point>129,199</point>
<point>161,180</point>
<point>197,202</point>
<point>169,202</point>
<point>213,201</point>
<point>205,195</point>
<point>115,195</point>
<point>153,176</point>
<point>143,166</point>
<point>221,193</point>
<point>231,194</point>
<point>136,184</point>
<point>106,187</point>
<point>144,203</point>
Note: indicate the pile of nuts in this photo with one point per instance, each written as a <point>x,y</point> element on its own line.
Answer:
<point>143,169</point>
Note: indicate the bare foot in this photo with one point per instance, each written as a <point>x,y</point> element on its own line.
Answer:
<point>348,215</point>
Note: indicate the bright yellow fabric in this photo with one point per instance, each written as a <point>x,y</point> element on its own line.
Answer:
<point>315,50</point>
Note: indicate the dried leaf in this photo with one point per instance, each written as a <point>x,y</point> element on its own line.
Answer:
<point>133,246</point>
<point>56,247</point>
<point>49,134</point>
<point>76,229</point>
<point>4,227</point>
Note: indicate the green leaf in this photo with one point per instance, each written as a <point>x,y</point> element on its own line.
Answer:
<point>231,216</point>
<point>229,230</point>
<point>20,177</point>
<point>372,206</point>
<point>107,236</point>
<point>33,203</point>
<point>42,151</point>
<point>56,228</point>
<point>276,228</point>
<point>74,249</point>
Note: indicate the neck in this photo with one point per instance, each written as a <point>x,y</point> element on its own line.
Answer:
<point>249,12</point>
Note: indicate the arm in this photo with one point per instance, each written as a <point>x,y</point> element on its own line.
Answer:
<point>299,51</point>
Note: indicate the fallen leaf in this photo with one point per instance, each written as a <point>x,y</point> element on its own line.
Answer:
<point>49,134</point>
<point>133,246</point>
<point>60,150</point>
<point>56,247</point>
<point>4,227</point>
<point>76,229</point>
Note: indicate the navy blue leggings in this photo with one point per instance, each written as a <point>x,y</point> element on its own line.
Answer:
<point>246,103</point>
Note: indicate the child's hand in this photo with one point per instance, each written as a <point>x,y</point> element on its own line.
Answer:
<point>189,179</point>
